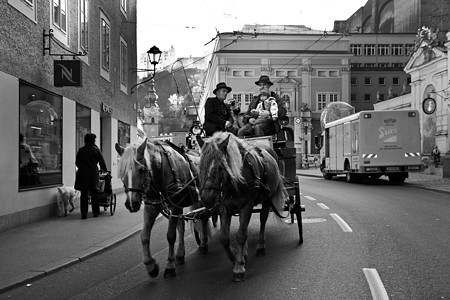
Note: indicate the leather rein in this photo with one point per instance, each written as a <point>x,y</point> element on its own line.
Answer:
<point>149,189</point>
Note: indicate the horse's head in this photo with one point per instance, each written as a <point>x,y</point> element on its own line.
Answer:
<point>132,170</point>
<point>220,168</point>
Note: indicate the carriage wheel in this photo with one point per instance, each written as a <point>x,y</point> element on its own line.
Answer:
<point>112,204</point>
<point>297,209</point>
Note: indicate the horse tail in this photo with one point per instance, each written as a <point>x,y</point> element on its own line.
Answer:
<point>278,199</point>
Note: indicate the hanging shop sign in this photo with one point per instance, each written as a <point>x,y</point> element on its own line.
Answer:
<point>67,73</point>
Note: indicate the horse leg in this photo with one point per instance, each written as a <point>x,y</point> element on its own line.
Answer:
<point>241,238</point>
<point>179,258</point>
<point>150,214</point>
<point>204,233</point>
<point>224,234</point>
<point>263,216</point>
<point>171,238</point>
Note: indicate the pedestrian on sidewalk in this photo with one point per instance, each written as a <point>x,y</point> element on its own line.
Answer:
<point>436,156</point>
<point>87,178</point>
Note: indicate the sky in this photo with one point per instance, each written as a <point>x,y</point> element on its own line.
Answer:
<point>190,24</point>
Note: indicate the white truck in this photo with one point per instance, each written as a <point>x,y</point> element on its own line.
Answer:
<point>369,144</point>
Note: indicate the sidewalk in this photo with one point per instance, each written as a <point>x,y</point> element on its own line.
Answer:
<point>41,248</point>
<point>37,249</point>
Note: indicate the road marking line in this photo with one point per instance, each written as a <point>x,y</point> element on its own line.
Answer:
<point>310,198</point>
<point>344,226</point>
<point>323,206</point>
<point>376,285</point>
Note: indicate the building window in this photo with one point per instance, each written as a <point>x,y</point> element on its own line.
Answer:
<point>367,81</point>
<point>40,133</point>
<point>104,45</point>
<point>356,49</point>
<point>123,7</point>
<point>59,14</point>
<point>381,97</point>
<point>287,102</point>
<point>397,65</point>
<point>123,65</point>
<point>246,97</point>
<point>383,49</point>
<point>291,74</point>
<point>395,80</point>
<point>83,124</point>
<point>369,65</point>
<point>324,98</point>
<point>237,73</point>
<point>381,80</point>
<point>397,49</point>
<point>367,98</point>
<point>26,7</point>
<point>353,81</point>
<point>321,101</point>
<point>248,74</point>
<point>321,73</point>
<point>369,50</point>
<point>409,49</point>
<point>383,65</point>
<point>353,97</point>
<point>123,134</point>
<point>333,74</point>
<point>84,28</point>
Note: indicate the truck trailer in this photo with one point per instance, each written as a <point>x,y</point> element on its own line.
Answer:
<point>370,144</point>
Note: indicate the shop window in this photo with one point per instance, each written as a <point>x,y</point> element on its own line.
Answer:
<point>123,134</point>
<point>83,124</point>
<point>40,135</point>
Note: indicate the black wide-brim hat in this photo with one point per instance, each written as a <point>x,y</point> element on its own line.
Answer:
<point>222,85</point>
<point>264,79</point>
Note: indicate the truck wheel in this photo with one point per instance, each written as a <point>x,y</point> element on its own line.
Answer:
<point>327,176</point>
<point>397,178</point>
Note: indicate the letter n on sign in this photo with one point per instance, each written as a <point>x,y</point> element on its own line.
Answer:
<point>67,73</point>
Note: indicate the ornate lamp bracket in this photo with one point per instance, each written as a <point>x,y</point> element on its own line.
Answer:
<point>47,46</point>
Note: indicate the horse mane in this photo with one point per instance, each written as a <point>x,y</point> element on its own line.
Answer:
<point>232,161</point>
<point>127,161</point>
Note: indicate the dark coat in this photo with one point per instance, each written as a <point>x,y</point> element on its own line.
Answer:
<point>87,175</point>
<point>217,114</point>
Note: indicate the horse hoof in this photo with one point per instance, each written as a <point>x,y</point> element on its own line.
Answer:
<point>179,260</point>
<point>169,273</point>
<point>153,273</point>
<point>203,249</point>
<point>238,277</point>
<point>260,252</point>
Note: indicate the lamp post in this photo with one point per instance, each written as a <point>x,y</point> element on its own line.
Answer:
<point>307,127</point>
<point>149,115</point>
<point>153,57</point>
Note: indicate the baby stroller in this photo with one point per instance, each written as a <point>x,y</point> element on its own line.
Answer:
<point>106,198</point>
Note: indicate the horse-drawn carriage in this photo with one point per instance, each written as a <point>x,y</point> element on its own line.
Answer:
<point>229,178</point>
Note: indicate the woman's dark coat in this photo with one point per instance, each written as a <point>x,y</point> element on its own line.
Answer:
<point>87,175</point>
<point>217,114</point>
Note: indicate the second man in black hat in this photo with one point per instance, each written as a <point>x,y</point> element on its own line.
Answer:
<point>218,115</point>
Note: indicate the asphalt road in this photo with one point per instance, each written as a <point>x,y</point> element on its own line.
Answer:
<point>362,241</point>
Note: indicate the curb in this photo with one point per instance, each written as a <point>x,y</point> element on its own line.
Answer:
<point>82,255</point>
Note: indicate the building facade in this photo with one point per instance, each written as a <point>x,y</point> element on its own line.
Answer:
<point>64,72</point>
<point>429,69</point>
<point>308,69</point>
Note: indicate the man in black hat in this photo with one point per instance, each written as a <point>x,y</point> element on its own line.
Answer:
<point>264,83</point>
<point>217,113</point>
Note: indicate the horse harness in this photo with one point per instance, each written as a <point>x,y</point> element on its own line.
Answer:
<point>163,197</point>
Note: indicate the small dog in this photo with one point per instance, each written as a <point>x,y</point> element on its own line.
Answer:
<point>66,195</point>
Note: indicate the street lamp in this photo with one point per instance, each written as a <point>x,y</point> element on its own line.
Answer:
<point>153,56</point>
